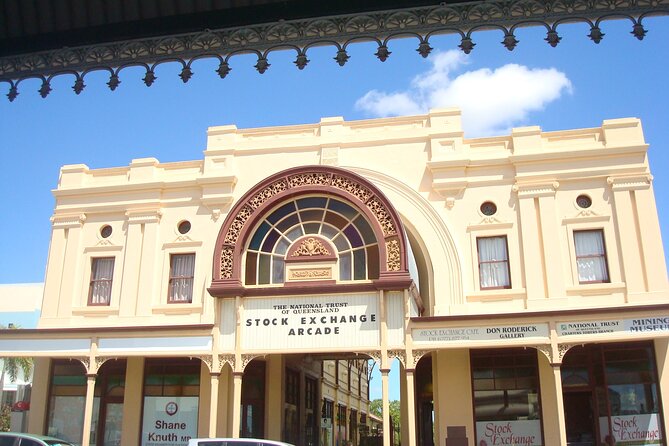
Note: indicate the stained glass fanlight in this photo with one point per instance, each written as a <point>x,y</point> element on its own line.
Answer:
<point>330,218</point>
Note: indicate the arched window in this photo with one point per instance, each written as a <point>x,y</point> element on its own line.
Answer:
<point>343,225</point>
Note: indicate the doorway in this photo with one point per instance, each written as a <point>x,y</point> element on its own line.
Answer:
<point>578,413</point>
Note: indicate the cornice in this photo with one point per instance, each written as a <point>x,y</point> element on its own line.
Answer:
<point>336,31</point>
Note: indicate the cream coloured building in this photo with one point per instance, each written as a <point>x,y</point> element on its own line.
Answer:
<point>519,280</point>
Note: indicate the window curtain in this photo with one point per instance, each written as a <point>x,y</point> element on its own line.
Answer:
<point>493,262</point>
<point>101,282</point>
<point>181,280</point>
<point>590,258</point>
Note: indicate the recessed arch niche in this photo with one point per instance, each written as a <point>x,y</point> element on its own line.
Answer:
<point>289,186</point>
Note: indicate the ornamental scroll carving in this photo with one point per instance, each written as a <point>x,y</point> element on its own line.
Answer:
<point>393,262</point>
<point>308,179</point>
<point>399,354</point>
<point>268,192</point>
<point>311,247</point>
<point>338,31</point>
<point>85,360</point>
<point>546,350</point>
<point>237,225</point>
<point>383,216</point>
<point>226,359</point>
<point>352,187</point>
<point>227,254</point>
<point>418,354</point>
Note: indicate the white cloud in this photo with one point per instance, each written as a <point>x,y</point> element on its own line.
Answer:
<point>491,100</point>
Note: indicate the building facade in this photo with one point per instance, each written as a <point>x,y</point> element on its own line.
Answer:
<point>519,280</point>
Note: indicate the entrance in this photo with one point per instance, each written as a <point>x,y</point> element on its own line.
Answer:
<point>579,421</point>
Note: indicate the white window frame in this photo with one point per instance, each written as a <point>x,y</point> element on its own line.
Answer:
<point>172,278</point>
<point>160,303</point>
<point>506,261</point>
<point>604,255</point>
<point>590,223</point>
<point>495,229</point>
<point>92,286</point>
<point>85,270</point>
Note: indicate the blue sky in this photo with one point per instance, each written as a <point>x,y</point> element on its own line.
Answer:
<point>575,85</point>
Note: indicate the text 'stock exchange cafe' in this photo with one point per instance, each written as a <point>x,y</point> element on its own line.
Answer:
<point>519,282</point>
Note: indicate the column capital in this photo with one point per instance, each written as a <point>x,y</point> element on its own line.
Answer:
<point>535,190</point>
<point>622,183</point>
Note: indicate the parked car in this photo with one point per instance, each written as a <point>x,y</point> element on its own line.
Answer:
<point>233,442</point>
<point>19,439</point>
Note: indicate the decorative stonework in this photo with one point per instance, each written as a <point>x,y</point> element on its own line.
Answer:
<point>400,355</point>
<point>227,255</point>
<point>237,225</point>
<point>309,179</point>
<point>268,192</point>
<point>563,349</point>
<point>226,359</point>
<point>86,361</point>
<point>336,31</point>
<point>311,247</point>
<point>209,360</point>
<point>417,354</point>
<point>352,187</point>
<point>546,350</point>
<point>383,216</point>
<point>393,257</point>
<point>248,358</point>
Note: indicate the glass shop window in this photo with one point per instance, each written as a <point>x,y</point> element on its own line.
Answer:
<point>622,379</point>
<point>506,396</point>
<point>67,398</point>
<point>171,399</point>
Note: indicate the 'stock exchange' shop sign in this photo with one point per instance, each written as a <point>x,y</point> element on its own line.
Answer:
<point>632,429</point>
<point>489,333</point>
<point>169,421</point>
<point>521,432</point>
<point>310,322</point>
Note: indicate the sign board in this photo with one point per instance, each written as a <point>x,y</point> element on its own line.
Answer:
<point>310,322</point>
<point>169,420</point>
<point>483,333</point>
<point>632,429</point>
<point>517,432</point>
<point>638,325</point>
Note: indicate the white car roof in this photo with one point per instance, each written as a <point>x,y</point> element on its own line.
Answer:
<point>225,441</point>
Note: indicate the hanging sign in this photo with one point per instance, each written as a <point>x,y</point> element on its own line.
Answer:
<point>169,420</point>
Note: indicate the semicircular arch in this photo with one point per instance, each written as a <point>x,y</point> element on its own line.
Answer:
<point>433,236</point>
<point>303,181</point>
